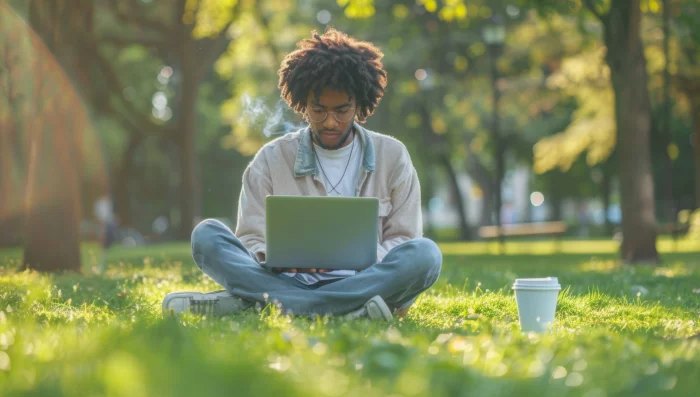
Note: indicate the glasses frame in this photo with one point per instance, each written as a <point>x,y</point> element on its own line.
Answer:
<point>335,116</point>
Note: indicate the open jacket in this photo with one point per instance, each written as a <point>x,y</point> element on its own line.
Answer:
<point>287,166</point>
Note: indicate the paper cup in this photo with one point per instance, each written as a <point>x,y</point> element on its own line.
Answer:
<point>537,302</point>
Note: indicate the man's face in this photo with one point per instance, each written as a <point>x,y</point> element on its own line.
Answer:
<point>330,133</point>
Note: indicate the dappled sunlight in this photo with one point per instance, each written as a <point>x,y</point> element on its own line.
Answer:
<point>600,266</point>
<point>672,272</point>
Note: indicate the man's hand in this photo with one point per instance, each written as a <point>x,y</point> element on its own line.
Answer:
<point>280,270</point>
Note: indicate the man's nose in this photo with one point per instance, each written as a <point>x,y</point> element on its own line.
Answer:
<point>330,123</point>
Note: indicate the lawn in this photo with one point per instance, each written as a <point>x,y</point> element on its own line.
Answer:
<point>620,331</point>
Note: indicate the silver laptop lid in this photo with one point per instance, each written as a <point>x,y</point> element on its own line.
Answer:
<point>321,232</point>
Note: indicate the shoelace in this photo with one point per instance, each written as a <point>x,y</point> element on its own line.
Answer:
<point>205,307</point>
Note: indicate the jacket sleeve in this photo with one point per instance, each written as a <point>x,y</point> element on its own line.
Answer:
<point>405,220</point>
<point>250,225</point>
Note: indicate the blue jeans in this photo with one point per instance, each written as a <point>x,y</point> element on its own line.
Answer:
<point>405,272</point>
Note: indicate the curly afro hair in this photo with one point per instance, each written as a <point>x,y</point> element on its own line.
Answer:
<point>337,61</point>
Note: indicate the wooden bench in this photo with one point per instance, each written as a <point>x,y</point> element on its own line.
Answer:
<point>524,229</point>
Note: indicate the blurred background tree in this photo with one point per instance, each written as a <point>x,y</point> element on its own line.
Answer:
<point>44,129</point>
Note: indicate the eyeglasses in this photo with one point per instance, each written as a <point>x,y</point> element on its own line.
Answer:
<point>341,116</point>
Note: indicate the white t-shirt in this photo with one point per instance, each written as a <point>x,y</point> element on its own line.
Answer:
<point>331,164</point>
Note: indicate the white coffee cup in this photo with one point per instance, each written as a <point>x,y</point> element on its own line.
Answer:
<point>537,302</point>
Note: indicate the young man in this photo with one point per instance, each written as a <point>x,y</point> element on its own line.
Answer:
<point>336,82</point>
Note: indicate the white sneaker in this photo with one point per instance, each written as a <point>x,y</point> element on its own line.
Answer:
<point>217,303</point>
<point>375,309</point>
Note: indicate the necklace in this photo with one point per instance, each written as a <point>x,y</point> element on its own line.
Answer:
<point>344,171</point>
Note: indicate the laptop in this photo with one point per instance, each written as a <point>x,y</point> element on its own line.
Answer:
<point>337,233</point>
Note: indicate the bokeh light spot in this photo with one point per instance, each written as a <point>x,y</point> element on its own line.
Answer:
<point>324,16</point>
<point>537,199</point>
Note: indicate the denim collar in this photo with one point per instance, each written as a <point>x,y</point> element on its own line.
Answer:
<point>305,163</point>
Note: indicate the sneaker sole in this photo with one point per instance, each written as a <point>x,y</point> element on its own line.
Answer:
<point>227,305</point>
<point>172,296</point>
<point>378,310</point>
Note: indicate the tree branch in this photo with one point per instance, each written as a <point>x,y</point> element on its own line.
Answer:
<point>135,119</point>
<point>212,50</point>
<point>132,16</point>
<point>216,46</point>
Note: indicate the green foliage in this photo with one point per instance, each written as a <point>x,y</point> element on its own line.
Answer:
<point>555,85</point>
<point>105,335</point>
<point>592,130</point>
<point>209,16</point>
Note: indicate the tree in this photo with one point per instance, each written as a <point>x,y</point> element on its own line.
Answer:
<point>584,78</point>
<point>69,30</point>
<point>691,88</point>
<point>452,53</point>
<point>625,57</point>
<point>432,129</point>
<point>46,132</point>
<point>687,80</point>
<point>190,40</point>
<point>633,124</point>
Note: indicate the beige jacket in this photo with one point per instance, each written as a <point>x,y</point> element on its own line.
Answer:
<point>287,166</point>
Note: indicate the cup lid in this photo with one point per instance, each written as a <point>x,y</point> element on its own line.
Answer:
<point>537,283</point>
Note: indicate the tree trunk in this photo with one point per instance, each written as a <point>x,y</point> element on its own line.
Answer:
<point>190,186</point>
<point>54,173</point>
<point>555,214</point>
<point>8,130</point>
<point>52,198</point>
<point>625,57</point>
<point>556,194</point>
<point>606,191</point>
<point>487,209</point>
<point>479,174</point>
<point>696,145</point>
<point>9,210</point>
<point>65,26</point>
<point>191,72</point>
<point>457,195</point>
<point>428,185</point>
<point>120,187</point>
<point>14,114</point>
<point>441,154</point>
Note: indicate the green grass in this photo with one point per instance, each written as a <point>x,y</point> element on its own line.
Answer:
<point>104,335</point>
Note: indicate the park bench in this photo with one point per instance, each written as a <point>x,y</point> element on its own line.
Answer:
<point>524,229</point>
